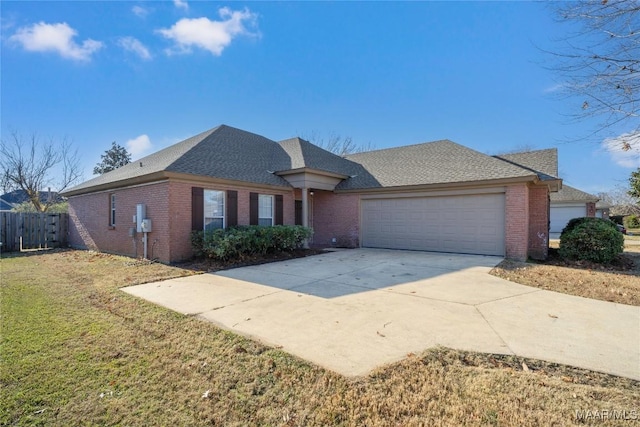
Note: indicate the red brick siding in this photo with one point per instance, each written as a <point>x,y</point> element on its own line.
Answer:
<point>169,208</point>
<point>517,222</point>
<point>539,222</point>
<point>335,216</point>
<point>591,209</point>
<point>89,221</point>
<point>180,221</point>
<point>180,202</point>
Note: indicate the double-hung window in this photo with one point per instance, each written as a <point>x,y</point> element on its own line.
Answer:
<point>265,210</point>
<point>213,209</point>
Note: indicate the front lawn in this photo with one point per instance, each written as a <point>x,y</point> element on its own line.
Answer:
<point>75,350</point>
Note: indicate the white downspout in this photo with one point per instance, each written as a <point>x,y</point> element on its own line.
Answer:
<point>305,214</point>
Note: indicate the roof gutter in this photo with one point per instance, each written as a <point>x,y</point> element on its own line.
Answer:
<point>163,176</point>
<point>143,179</point>
<point>534,179</point>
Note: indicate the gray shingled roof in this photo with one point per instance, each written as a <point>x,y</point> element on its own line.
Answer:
<point>222,152</point>
<point>570,194</point>
<point>304,154</point>
<point>544,161</point>
<point>228,153</point>
<point>429,163</point>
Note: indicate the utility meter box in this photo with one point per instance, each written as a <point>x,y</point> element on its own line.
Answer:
<point>146,225</point>
<point>141,214</point>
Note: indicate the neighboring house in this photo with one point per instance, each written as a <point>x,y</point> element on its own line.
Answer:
<point>11,200</point>
<point>437,196</point>
<point>5,205</point>
<point>603,209</point>
<point>569,203</point>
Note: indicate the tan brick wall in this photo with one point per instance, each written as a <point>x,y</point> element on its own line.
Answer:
<point>539,222</point>
<point>591,209</point>
<point>169,208</point>
<point>517,222</point>
<point>335,216</point>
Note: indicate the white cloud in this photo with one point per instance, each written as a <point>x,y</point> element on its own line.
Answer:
<point>134,45</point>
<point>140,11</point>
<point>555,88</point>
<point>181,4</point>
<point>210,35</point>
<point>139,146</point>
<point>42,37</point>
<point>624,149</point>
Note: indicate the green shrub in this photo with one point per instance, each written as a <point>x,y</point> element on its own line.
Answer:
<point>631,221</point>
<point>197,242</point>
<point>240,242</point>
<point>573,223</point>
<point>591,239</point>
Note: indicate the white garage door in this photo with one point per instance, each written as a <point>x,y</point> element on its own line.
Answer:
<point>471,224</point>
<point>560,216</point>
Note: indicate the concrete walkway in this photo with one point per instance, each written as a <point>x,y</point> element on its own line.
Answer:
<point>353,310</point>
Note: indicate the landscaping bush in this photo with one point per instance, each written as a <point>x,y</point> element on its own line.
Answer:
<point>240,242</point>
<point>573,223</point>
<point>197,242</point>
<point>631,221</point>
<point>591,239</point>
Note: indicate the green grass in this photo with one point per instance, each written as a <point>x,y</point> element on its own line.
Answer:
<point>75,350</point>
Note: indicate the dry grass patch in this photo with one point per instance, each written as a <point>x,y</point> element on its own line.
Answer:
<point>78,351</point>
<point>619,283</point>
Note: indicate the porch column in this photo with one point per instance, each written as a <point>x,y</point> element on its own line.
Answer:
<point>305,213</point>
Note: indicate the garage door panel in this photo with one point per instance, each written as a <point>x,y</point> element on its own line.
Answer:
<point>561,215</point>
<point>464,224</point>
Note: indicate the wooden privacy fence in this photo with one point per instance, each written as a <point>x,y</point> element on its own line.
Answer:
<point>20,231</point>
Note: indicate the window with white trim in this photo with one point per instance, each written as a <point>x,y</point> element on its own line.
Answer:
<point>213,209</point>
<point>112,210</point>
<point>265,210</point>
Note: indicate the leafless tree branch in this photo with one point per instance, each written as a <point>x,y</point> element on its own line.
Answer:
<point>342,146</point>
<point>29,165</point>
<point>599,63</point>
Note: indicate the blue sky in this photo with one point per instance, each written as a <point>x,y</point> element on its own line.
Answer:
<point>149,74</point>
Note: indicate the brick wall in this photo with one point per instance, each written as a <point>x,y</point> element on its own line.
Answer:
<point>591,209</point>
<point>517,222</point>
<point>180,208</point>
<point>89,221</point>
<point>168,205</point>
<point>539,222</point>
<point>335,216</point>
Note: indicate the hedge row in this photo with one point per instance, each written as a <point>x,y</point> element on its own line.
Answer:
<point>240,242</point>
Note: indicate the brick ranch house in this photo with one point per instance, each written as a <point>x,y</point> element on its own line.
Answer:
<point>436,196</point>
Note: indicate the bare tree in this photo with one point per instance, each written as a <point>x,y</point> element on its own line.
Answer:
<point>622,203</point>
<point>342,146</point>
<point>27,164</point>
<point>599,63</point>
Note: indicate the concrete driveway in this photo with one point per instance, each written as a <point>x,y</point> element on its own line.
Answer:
<point>353,310</point>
